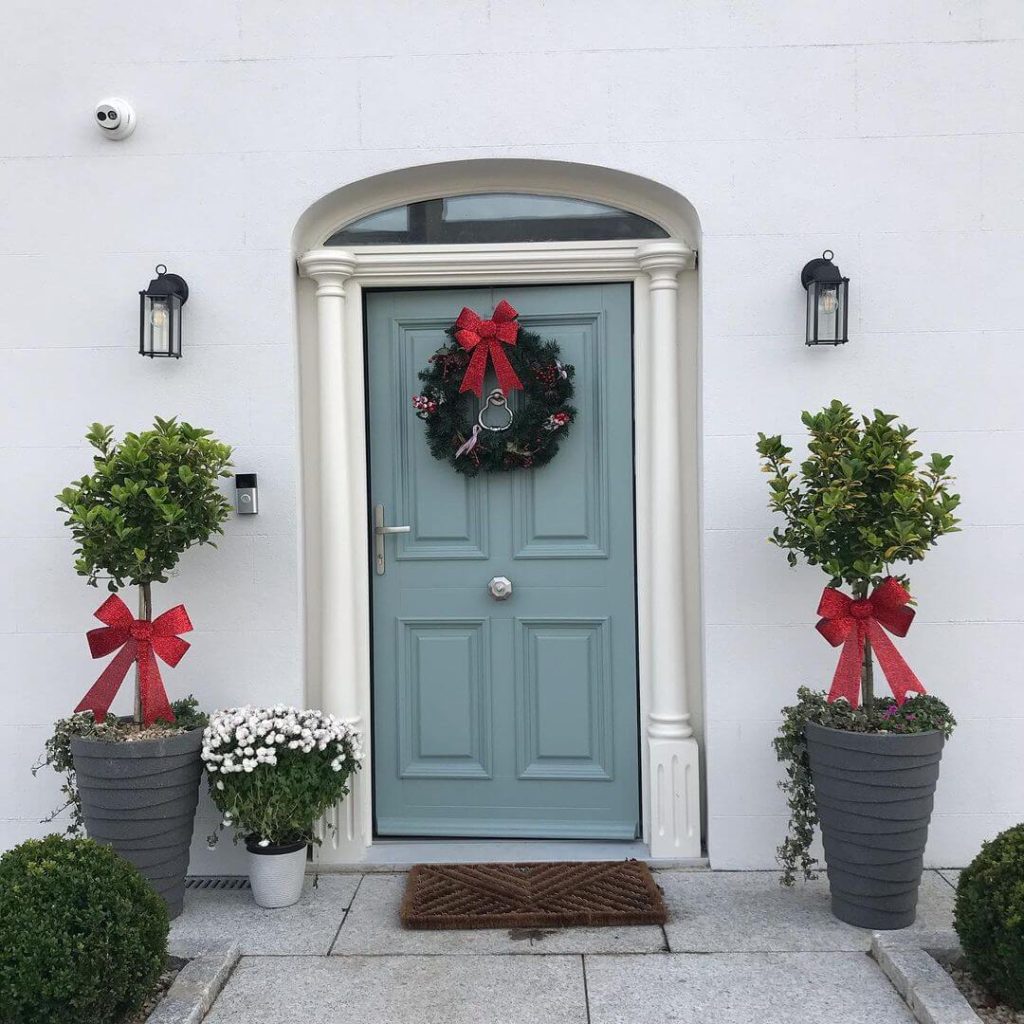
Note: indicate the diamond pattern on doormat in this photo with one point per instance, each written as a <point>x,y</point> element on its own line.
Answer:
<point>559,894</point>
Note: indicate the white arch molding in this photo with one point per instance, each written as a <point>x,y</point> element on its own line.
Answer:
<point>337,575</point>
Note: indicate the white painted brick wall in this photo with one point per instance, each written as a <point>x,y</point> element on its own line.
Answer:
<point>893,134</point>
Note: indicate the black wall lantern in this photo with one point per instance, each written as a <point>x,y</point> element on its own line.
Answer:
<point>160,315</point>
<point>827,294</point>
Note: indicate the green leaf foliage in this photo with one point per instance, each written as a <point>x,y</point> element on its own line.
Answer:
<point>84,936</point>
<point>989,916</point>
<point>150,497</point>
<point>863,500</point>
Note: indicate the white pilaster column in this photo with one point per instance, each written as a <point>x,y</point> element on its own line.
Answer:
<point>340,533</point>
<point>671,746</point>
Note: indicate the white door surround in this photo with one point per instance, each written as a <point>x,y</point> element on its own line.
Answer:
<point>337,566</point>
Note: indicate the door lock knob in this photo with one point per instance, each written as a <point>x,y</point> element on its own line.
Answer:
<point>500,588</point>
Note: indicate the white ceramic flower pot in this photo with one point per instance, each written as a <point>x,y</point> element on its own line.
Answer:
<point>276,873</point>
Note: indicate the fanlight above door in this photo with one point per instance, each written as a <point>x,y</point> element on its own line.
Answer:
<point>496,217</point>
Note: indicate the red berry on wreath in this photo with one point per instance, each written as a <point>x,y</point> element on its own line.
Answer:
<point>546,374</point>
<point>556,421</point>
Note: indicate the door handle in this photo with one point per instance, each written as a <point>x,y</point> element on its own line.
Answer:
<point>380,531</point>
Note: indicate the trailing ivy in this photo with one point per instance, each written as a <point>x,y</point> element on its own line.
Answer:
<point>923,713</point>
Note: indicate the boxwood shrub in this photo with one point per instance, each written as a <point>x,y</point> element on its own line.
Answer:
<point>989,916</point>
<point>84,936</point>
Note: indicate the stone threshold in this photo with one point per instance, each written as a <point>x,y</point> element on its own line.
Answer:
<point>400,854</point>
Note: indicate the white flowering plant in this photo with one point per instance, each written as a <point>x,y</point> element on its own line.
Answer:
<point>274,771</point>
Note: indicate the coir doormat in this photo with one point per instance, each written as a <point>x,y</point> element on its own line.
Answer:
<point>560,894</point>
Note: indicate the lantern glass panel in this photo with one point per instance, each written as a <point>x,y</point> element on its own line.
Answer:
<point>176,326</point>
<point>161,325</point>
<point>827,312</point>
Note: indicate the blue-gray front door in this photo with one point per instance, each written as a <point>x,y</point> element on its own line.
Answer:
<point>514,718</point>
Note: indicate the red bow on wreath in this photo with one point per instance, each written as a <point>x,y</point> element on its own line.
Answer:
<point>484,338</point>
<point>140,641</point>
<point>856,623</point>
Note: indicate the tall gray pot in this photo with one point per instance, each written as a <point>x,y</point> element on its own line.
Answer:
<point>140,798</point>
<point>874,793</point>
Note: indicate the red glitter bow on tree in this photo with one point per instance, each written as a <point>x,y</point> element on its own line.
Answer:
<point>856,623</point>
<point>484,338</point>
<point>140,641</point>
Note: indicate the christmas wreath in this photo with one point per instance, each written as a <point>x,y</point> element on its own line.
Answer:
<point>474,434</point>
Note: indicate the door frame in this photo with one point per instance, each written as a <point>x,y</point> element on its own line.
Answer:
<point>334,435</point>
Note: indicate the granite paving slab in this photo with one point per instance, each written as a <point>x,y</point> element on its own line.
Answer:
<point>372,926</point>
<point>951,875</point>
<point>405,990</point>
<point>741,988</point>
<point>749,911</point>
<point>213,916</point>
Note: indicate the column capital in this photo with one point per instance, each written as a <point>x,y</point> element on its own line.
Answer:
<point>330,268</point>
<point>665,258</point>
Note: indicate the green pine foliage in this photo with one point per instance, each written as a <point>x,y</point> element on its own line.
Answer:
<point>83,935</point>
<point>989,916</point>
<point>150,497</point>
<point>528,443</point>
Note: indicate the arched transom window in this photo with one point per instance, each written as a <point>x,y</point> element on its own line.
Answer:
<point>496,217</point>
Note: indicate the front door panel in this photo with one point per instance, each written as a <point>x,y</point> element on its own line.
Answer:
<point>513,718</point>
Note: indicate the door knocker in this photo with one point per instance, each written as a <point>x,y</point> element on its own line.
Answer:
<point>497,399</point>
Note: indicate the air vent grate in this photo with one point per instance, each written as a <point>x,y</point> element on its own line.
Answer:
<point>222,882</point>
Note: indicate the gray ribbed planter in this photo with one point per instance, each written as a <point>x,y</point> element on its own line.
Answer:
<point>140,798</point>
<point>874,793</point>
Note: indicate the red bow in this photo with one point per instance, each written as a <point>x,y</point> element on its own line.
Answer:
<point>855,623</point>
<point>140,640</point>
<point>484,338</point>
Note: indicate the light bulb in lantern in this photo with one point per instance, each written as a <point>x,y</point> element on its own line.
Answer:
<point>158,317</point>
<point>828,301</point>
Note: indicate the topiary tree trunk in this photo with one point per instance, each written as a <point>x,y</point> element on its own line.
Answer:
<point>867,673</point>
<point>146,613</point>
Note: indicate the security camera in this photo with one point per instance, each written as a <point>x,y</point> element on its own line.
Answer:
<point>115,118</point>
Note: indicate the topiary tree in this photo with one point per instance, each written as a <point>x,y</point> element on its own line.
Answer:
<point>149,499</point>
<point>84,936</point>
<point>989,916</point>
<point>862,501</point>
